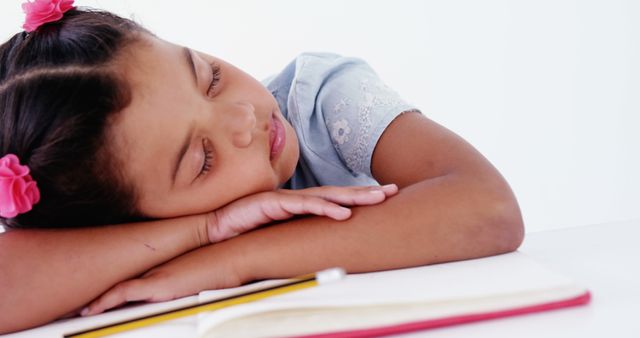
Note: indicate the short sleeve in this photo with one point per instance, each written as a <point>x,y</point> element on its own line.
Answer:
<point>357,106</point>
<point>339,108</point>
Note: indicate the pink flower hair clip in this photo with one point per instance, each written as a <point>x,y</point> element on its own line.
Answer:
<point>39,12</point>
<point>18,191</point>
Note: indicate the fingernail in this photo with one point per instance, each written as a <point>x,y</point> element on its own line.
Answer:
<point>392,185</point>
<point>85,311</point>
<point>344,212</point>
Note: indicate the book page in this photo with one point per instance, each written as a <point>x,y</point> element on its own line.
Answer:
<point>508,274</point>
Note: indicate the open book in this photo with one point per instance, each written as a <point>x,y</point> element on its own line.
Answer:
<point>360,305</point>
<point>378,303</point>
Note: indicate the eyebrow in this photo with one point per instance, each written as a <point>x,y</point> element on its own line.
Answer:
<point>187,140</point>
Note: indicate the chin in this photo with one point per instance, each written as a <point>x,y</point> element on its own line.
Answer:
<point>288,161</point>
<point>287,168</point>
<point>294,155</point>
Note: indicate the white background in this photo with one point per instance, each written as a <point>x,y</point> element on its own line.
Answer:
<point>548,90</point>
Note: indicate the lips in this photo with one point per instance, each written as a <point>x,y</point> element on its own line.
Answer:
<point>277,138</point>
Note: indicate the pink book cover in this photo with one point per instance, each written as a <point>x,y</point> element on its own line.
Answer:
<point>454,320</point>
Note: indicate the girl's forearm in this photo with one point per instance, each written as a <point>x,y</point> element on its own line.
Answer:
<point>443,219</point>
<point>45,274</point>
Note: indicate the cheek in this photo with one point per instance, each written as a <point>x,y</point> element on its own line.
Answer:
<point>244,179</point>
<point>257,177</point>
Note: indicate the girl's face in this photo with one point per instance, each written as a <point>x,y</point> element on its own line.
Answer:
<point>199,132</point>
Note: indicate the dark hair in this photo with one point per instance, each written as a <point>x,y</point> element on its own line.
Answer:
<point>59,90</point>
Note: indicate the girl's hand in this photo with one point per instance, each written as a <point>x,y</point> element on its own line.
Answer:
<point>183,276</point>
<point>252,211</point>
<point>209,268</point>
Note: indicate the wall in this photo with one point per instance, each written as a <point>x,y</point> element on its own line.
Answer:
<point>547,90</point>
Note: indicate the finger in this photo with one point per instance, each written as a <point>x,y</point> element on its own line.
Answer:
<point>127,291</point>
<point>300,205</point>
<point>390,189</point>
<point>349,195</point>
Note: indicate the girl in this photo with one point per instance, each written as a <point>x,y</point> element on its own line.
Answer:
<point>148,163</point>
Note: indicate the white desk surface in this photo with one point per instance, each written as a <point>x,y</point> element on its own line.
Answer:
<point>602,257</point>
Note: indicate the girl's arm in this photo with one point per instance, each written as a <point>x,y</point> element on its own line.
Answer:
<point>45,273</point>
<point>453,205</point>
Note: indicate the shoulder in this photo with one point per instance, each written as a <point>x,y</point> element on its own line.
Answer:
<point>325,60</point>
<point>322,66</point>
<point>313,80</point>
<point>310,66</point>
<point>339,107</point>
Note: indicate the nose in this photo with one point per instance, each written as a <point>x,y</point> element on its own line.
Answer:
<point>241,123</point>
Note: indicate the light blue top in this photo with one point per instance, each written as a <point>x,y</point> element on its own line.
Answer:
<point>339,108</point>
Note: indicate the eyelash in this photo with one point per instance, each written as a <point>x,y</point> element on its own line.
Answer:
<point>215,71</point>
<point>208,153</point>
<point>208,157</point>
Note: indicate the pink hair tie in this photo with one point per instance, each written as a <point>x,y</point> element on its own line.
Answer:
<point>40,12</point>
<point>18,191</point>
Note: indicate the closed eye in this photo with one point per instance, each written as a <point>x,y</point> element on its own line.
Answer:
<point>207,149</point>
<point>215,78</point>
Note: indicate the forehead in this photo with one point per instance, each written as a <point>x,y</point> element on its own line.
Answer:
<point>150,58</point>
<point>145,132</point>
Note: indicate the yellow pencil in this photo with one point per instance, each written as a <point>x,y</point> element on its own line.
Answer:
<point>298,283</point>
